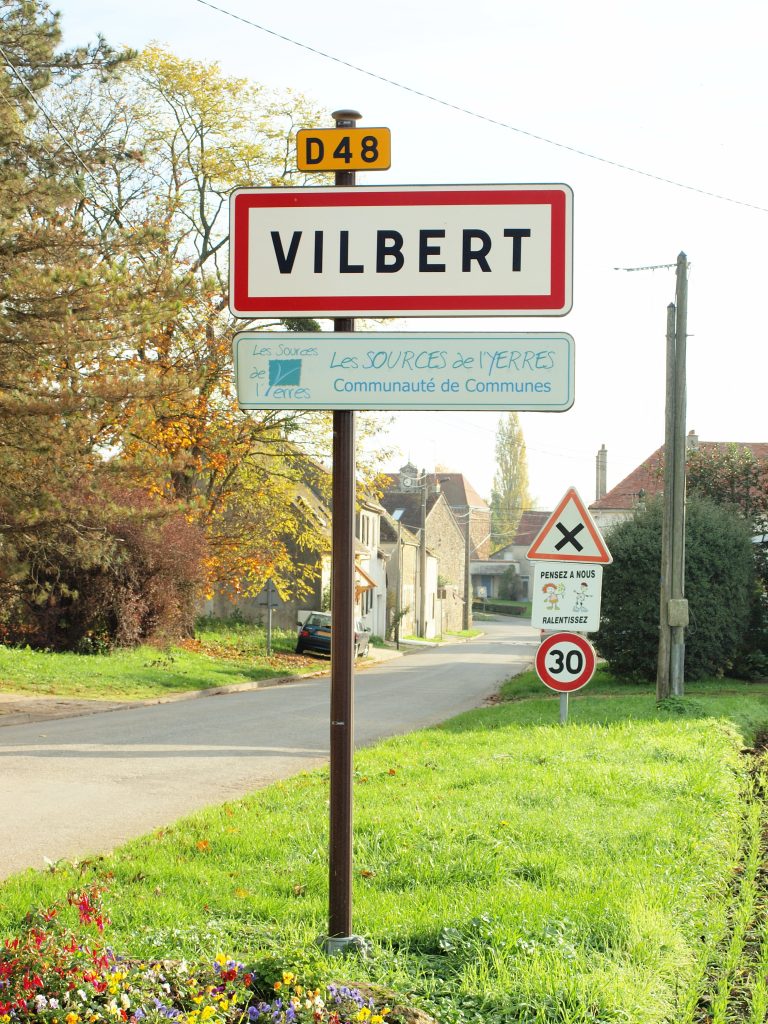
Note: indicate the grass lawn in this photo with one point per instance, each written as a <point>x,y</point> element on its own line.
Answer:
<point>221,654</point>
<point>505,869</point>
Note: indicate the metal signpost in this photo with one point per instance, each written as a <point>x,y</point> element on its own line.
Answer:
<point>381,251</point>
<point>269,598</point>
<point>565,662</point>
<point>569,553</point>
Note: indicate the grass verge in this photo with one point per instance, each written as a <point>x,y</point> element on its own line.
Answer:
<point>506,868</point>
<point>220,654</point>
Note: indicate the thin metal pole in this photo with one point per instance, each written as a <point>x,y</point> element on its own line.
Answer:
<point>342,646</point>
<point>563,708</point>
<point>466,617</point>
<point>665,583</point>
<point>677,652</point>
<point>399,595</point>
<point>423,558</point>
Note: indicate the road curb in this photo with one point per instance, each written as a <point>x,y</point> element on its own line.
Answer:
<point>44,709</point>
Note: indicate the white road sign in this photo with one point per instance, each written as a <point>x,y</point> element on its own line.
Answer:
<point>570,535</point>
<point>404,370</point>
<point>408,250</point>
<point>567,595</point>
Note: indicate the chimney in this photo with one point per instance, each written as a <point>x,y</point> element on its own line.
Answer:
<point>692,441</point>
<point>601,476</point>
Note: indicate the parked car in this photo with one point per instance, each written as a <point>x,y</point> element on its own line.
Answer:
<point>315,635</point>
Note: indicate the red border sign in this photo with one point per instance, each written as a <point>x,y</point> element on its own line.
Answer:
<point>570,535</point>
<point>247,300</point>
<point>576,675</point>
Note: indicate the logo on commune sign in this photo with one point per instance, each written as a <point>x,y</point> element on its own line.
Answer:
<point>404,250</point>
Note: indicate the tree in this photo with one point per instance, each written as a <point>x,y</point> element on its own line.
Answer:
<point>719,582</point>
<point>57,395</point>
<point>735,478</point>
<point>510,494</point>
<point>115,341</point>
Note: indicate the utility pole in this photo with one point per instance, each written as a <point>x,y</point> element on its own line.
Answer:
<point>678,606</point>
<point>673,608</point>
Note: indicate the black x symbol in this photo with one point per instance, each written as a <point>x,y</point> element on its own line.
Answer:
<point>569,537</point>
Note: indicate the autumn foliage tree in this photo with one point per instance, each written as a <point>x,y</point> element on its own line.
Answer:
<point>117,405</point>
<point>65,299</point>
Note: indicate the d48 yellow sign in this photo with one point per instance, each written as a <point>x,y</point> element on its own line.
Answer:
<point>343,149</point>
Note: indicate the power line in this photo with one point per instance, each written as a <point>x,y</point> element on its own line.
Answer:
<point>482,117</point>
<point>48,119</point>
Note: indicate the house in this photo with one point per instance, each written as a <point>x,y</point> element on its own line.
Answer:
<point>417,503</point>
<point>445,492</point>
<point>370,567</point>
<point>647,479</point>
<point>403,549</point>
<point>488,575</point>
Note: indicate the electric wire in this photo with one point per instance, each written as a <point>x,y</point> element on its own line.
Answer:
<point>48,119</point>
<point>484,117</point>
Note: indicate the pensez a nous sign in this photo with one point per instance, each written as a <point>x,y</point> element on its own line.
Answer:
<point>407,250</point>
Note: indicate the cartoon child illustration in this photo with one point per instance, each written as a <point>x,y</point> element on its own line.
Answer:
<point>581,596</point>
<point>552,592</point>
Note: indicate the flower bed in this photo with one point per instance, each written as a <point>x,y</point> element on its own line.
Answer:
<point>50,975</point>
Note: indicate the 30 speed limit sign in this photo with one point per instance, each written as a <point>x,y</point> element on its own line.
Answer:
<point>565,662</point>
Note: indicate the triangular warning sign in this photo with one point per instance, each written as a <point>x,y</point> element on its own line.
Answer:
<point>570,535</point>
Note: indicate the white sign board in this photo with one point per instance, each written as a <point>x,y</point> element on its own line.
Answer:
<point>567,595</point>
<point>386,370</point>
<point>408,250</point>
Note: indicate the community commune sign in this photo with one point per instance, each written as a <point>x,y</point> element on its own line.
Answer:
<point>408,250</point>
<point>388,370</point>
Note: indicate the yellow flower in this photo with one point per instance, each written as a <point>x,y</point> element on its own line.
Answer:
<point>72,1018</point>
<point>207,1013</point>
<point>364,1014</point>
<point>197,999</point>
<point>288,977</point>
<point>220,958</point>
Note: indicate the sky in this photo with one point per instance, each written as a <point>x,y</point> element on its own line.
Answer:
<point>653,113</point>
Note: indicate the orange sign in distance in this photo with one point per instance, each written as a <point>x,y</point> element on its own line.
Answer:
<point>343,149</point>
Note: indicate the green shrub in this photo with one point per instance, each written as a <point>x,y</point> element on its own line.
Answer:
<point>719,586</point>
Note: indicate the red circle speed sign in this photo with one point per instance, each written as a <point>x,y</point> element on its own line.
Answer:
<point>565,662</point>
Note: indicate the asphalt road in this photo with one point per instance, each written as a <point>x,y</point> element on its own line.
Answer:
<point>74,787</point>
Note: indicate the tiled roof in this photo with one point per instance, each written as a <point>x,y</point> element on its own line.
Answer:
<point>410,502</point>
<point>649,475</point>
<point>457,489</point>
<point>529,527</point>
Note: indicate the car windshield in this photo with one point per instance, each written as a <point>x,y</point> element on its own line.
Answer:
<point>319,619</point>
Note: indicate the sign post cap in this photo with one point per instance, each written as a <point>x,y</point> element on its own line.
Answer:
<point>346,115</point>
